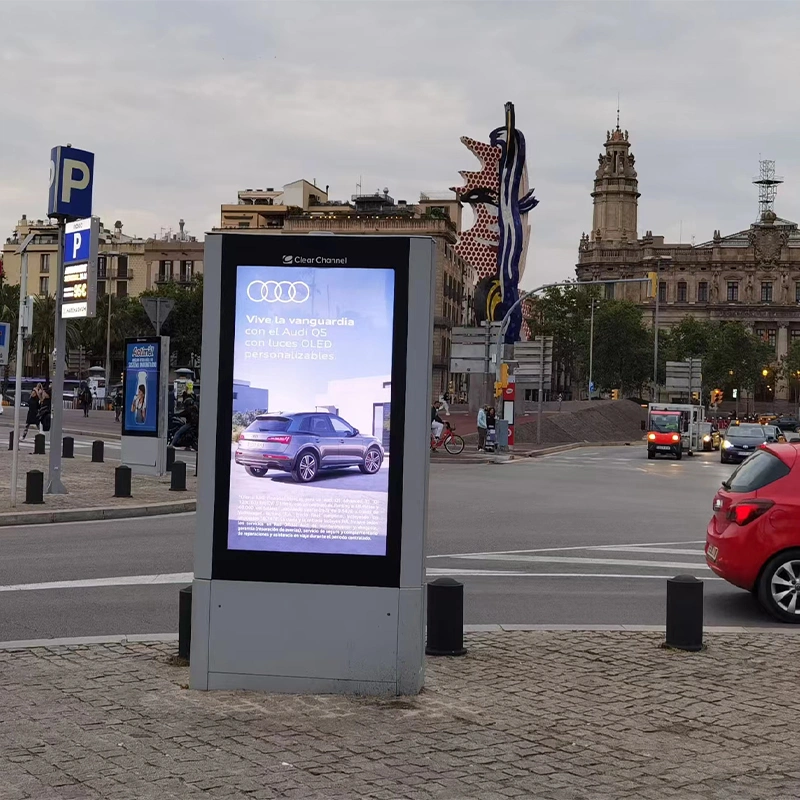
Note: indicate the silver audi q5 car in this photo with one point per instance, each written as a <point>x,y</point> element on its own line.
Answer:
<point>303,444</point>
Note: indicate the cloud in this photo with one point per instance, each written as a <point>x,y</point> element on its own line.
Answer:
<point>185,103</point>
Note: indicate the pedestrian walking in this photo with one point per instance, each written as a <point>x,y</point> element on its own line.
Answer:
<point>32,417</point>
<point>482,426</point>
<point>45,410</point>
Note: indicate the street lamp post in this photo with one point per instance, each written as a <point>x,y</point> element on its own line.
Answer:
<point>591,348</point>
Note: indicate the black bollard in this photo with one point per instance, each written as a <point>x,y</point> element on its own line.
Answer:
<point>97,451</point>
<point>122,481</point>
<point>38,444</point>
<point>445,618</point>
<point>34,487</point>
<point>177,481</point>
<point>11,440</point>
<point>185,622</point>
<point>170,458</point>
<point>685,613</point>
<point>68,447</point>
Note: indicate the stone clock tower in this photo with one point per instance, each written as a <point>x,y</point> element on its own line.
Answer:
<point>616,192</point>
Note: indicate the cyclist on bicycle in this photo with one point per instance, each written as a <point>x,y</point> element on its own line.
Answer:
<point>437,425</point>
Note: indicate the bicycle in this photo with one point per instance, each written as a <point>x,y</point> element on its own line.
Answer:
<point>451,442</point>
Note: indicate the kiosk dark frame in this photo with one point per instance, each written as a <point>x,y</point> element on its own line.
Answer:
<point>156,340</point>
<point>240,249</point>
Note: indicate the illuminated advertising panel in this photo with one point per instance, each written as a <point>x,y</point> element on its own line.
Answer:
<point>140,387</point>
<point>310,482</point>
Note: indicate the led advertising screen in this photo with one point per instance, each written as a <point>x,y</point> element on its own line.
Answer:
<point>142,365</point>
<point>311,474</point>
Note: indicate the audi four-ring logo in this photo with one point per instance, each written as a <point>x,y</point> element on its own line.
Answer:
<point>278,291</point>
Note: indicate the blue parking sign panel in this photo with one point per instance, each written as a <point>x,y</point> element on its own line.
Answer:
<point>77,241</point>
<point>71,180</point>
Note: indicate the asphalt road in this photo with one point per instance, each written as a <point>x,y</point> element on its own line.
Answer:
<point>583,537</point>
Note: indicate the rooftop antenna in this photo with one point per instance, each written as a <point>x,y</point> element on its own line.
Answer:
<point>617,110</point>
<point>358,185</point>
<point>767,184</point>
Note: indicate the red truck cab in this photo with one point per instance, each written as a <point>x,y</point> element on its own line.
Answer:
<point>664,434</point>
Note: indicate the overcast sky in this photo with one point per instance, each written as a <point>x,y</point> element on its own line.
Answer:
<point>184,103</point>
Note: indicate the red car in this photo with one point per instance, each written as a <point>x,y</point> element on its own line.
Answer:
<point>753,539</point>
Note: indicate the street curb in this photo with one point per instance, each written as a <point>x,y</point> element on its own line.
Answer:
<point>474,458</point>
<point>88,514</point>
<point>72,431</point>
<point>83,641</point>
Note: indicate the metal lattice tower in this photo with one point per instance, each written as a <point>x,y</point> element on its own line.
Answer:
<point>767,187</point>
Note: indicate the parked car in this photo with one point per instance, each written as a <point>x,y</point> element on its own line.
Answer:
<point>741,441</point>
<point>774,433</point>
<point>304,444</point>
<point>787,423</point>
<point>753,538</point>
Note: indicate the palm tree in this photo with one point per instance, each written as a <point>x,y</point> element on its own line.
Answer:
<point>43,334</point>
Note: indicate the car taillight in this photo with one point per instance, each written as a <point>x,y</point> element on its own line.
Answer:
<point>748,510</point>
<point>675,437</point>
<point>651,437</point>
<point>279,439</point>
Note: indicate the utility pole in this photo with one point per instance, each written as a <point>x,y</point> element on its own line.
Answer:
<point>591,348</point>
<point>110,296</point>
<point>541,390</point>
<point>655,343</point>
<point>19,360</point>
<point>55,486</point>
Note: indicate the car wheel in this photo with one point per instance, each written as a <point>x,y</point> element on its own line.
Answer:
<point>779,586</point>
<point>256,472</point>
<point>722,459</point>
<point>306,467</point>
<point>679,455</point>
<point>651,454</point>
<point>372,461</point>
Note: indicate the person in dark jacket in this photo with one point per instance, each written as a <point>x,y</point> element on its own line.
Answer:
<point>45,408</point>
<point>191,413</point>
<point>32,417</point>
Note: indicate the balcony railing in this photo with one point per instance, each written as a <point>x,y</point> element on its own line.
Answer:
<point>365,222</point>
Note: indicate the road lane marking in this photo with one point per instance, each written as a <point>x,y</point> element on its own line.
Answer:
<point>598,561</point>
<point>92,583</point>
<point>625,548</point>
<point>488,573</point>
<point>569,547</point>
<point>60,525</point>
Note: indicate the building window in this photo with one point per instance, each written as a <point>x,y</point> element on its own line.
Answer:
<point>702,292</point>
<point>101,288</point>
<point>122,267</point>
<point>244,224</point>
<point>766,292</point>
<point>101,266</point>
<point>767,335</point>
<point>733,291</point>
<point>44,262</point>
<point>662,292</point>
<point>187,271</point>
<point>682,291</point>
<point>44,285</point>
<point>164,271</point>
<point>609,291</point>
<point>122,288</point>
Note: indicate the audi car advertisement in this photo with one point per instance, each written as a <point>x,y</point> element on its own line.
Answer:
<point>309,476</point>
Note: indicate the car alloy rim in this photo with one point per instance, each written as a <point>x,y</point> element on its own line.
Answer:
<point>373,461</point>
<point>307,467</point>
<point>785,586</point>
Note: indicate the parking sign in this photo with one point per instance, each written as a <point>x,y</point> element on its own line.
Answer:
<point>5,336</point>
<point>71,179</point>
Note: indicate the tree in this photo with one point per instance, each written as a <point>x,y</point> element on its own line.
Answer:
<point>736,358</point>
<point>43,338</point>
<point>9,312</point>
<point>184,325</point>
<point>622,347</point>
<point>690,338</point>
<point>791,366</point>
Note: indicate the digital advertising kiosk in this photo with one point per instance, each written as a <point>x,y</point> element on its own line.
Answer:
<point>309,553</point>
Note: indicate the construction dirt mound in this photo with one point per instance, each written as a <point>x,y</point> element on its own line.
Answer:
<point>600,421</point>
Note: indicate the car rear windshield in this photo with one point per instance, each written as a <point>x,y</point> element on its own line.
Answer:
<point>740,432</point>
<point>761,469</point>
<point>269,425</point>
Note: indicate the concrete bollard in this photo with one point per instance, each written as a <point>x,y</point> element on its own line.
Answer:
<point>97,451</point>
<point>11,440</point>
<point>170,458</point>
<point>177,481</point>
<point>122,481</point>
<point>685,613</point>
<point>445,618</point>
<point>34,487</point>
<point>38,444</point>
<point>68,447</point>
<point>185,622</point>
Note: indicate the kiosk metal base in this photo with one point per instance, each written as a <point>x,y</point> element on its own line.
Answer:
<point>280,637</point>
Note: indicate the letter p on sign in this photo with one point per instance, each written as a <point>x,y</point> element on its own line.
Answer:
<point>71,179</point>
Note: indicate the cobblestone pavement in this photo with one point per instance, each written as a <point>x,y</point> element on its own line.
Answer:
<point>90,485</point>
<point>555,715</point>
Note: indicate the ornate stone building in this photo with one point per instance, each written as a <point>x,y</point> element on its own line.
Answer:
<point>752,275</point>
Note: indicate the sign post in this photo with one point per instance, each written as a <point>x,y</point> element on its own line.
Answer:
<point>70,198</point>
<point>309,555</point>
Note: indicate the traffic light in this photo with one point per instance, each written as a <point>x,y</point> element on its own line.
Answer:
<point>717,395</point>
<point>500,385</point>
<point>652,288</point>
<point>615,394</point>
